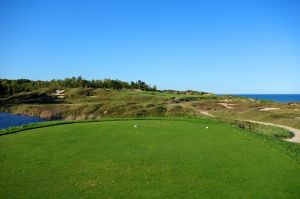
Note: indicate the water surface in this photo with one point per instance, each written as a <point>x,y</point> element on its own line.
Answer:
<point>283,98</point>
<point>10,120</point>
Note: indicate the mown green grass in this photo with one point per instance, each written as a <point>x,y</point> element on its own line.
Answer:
<point>158,159</point>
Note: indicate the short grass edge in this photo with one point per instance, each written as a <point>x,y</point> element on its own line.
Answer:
<point>248,129</point>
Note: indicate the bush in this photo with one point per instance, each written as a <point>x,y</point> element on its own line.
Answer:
<point>161,109</point>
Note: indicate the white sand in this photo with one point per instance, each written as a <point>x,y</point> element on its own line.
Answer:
<point>226,105</point>
<point>268,109</point>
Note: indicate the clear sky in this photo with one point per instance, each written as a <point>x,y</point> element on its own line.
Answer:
<point>225,46</point>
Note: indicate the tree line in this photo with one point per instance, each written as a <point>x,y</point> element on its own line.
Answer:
<point>10,87</point>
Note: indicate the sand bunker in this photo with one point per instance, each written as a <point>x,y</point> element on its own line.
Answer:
<point>226,105</point>
<point>268,109</point>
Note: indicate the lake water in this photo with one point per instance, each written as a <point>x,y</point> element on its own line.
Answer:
<point>284,98</point>
<point>10,120</point>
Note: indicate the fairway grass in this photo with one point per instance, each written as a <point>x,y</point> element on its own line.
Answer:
<point>157,159</point>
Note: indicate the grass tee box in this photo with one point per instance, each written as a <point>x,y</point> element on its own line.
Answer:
<point>156,159</point>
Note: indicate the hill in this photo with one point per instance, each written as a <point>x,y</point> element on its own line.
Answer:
<point>89,103</point>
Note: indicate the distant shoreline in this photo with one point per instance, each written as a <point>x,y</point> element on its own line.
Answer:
<point>282,98</point>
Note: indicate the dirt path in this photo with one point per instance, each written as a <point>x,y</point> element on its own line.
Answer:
<point>206,113</point>
<point>296,132</point>
<point>202,112</point>
<point>226,105</point>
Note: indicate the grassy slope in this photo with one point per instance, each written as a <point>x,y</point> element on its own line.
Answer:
<point>159,159</point>
<point>84,103</point>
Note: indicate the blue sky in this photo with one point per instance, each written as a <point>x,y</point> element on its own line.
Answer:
<point>233,46</point>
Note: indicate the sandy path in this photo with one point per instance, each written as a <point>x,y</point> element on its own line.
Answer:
<point>206,113</point>
<point>225,105</point>
<point>296,132</point>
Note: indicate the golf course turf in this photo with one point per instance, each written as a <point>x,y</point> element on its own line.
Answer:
<point>157,159</point>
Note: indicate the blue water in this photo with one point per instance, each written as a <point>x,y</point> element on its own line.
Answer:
<point>10,120</point>
<point>284,98</point>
